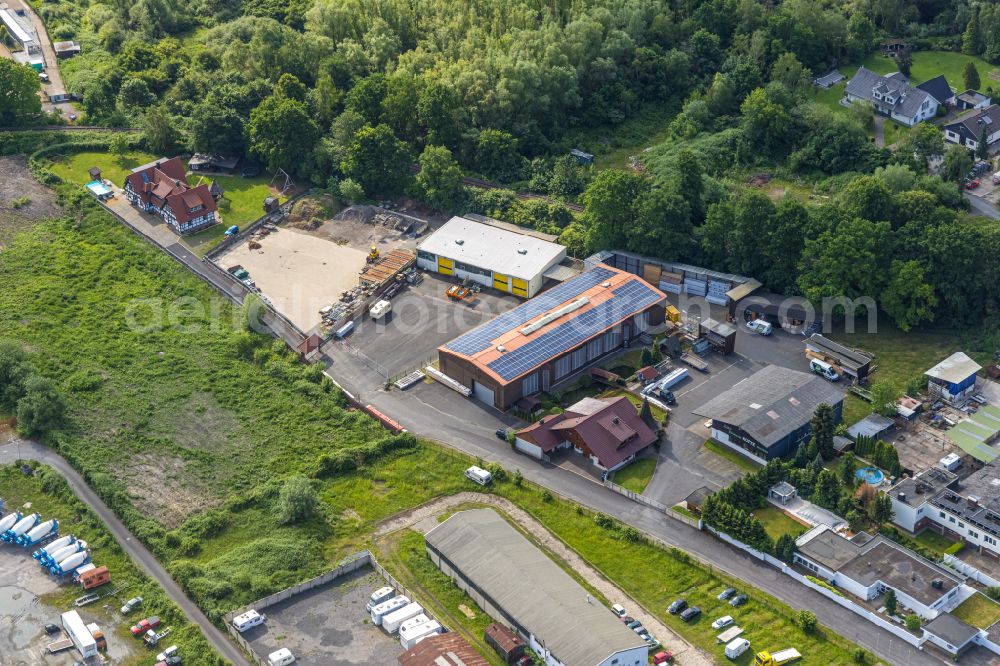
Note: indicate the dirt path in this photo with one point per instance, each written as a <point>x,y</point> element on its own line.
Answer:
<point>425,517</point>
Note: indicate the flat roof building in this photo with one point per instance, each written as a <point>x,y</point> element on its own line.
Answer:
<point>544,341</point>
<point>495,256</point>
<point>518,585</point>
<point>767,415</point>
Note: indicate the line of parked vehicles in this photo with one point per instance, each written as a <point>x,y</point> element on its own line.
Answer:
<point>60,556</point>
<point>250,619</point>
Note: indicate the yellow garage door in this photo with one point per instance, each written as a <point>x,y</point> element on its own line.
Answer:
<point>446,266</point>
<point>519,287</point>
<point>501,282</point>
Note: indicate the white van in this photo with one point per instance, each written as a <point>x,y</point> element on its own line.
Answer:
<point>824,369</point>
<point>760,327</point>
<point>479,475</point>
<point>378,596</point>
<point>280,657</point>
<point>387,607</point>
<point>737,647</point>
<point>247,620</point>
<point>380,309</point>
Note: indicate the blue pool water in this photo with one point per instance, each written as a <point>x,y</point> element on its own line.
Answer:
<point>870,475</point>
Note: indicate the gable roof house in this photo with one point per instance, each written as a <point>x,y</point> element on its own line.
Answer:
<point>891,96</point>
<point>967,131</point>
<point>162,188</point>
<point>609,431</point>
<point>939,89</point>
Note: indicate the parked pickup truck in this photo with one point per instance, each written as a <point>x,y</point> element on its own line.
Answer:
<point>142,626</point>
<point>152,638</point>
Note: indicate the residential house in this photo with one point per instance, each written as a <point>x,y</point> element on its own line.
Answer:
<point>867,566</point>
<point>608,431</point>
<point>891,96</point>
<point>767,415</point>
<point>969,130</point>
<point>939,89</point>
<point>217,163</point>
<point>972,99</point>
<point>162,188</point>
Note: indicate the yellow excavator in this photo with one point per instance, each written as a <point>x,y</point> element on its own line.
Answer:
<point>373,255</point>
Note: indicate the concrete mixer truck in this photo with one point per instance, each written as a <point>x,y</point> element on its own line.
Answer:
<point>63,553</point>
<point>20,527</point>
<point>43,553</point>
<point>38,532</point>
<point>8,521</point>
<point>68,565</point>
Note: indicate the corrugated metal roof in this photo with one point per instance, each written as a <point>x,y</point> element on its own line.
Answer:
<point>870,426</point>
<point>956,368</point>
<point>531,588</point>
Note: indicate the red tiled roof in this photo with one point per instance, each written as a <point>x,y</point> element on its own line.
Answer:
<point>648,373</point>
<point>504,637</point>
<point>448,649</point>
<point>166,180</point>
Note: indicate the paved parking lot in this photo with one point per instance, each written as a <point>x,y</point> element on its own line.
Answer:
<point>328,626</point>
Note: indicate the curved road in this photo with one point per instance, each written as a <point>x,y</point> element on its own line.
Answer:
<point>26,450</point>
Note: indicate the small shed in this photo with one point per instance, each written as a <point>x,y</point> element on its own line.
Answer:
<point>216,190</point>
<point>697,498</point>
<point>582,158</point>
<point>603,376</point>
<point>854,363</point>
<point>783,493</point>
<point>841,443</point>
<point>507,644</point>
<point>953,379</point>
<point>872,425</point>
<point>66,49</point>
<point>95,173</point>
<point>270,204</point>
<point>721,335</point>
<point>646,375</point>
<point>309,345</point>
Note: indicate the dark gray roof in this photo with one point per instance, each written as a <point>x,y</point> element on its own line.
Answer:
<point>532,589</point>
<point>824,546</point>
<point>937,88</point>
<point>971,127</point>
<point>976,499</point>
<point>771,403</point>
<point>908,98</point>
<point>923,486</point>
<point>849,358</point>
<point>972,97</point>
<point>871,426</point>
<point>900,569</point>
<point>951,630</point>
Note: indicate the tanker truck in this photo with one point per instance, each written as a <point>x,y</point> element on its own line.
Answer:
<point>67,565</point>
<point>63,553</point>
<point>20,527</point>
<point>8,521</point>
<point>38,532</point>
<point>43,553</point>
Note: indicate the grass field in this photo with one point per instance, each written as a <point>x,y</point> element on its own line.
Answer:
<point>740,461</point>
<point>978,610</point>
<point>777,523</point>
<point>612,146</point>
<point>934,541</point>
<point>73,168</point>
<point>50,496</point>
<point>636,476</point>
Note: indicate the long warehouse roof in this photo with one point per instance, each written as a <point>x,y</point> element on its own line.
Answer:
<point>530,588</point>
<point>525,337</point>
<point>493,248</point>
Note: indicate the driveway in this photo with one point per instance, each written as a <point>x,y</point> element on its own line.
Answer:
<point>14,449</point>
<point>981,206</point>
<point>879,131</point>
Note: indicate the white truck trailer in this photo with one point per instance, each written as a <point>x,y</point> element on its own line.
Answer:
<point>79,634</point>
<point>387,607</point>
<point>408,637</point>
<point>392,621</point>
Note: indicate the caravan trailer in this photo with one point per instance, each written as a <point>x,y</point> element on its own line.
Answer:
<point>387,607</point>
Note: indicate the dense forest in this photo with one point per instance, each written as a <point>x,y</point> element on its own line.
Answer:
<point>350,94</point>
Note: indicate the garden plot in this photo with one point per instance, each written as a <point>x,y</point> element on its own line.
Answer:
<point>297,272</point>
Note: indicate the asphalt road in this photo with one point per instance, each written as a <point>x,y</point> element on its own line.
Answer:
<point>27,450</point>
<point>982,207</point>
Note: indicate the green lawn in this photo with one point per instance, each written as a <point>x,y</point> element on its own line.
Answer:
<point>50,496</point>
<point>245,195</point>
<point>684,511</point>
<point>730,455</point>
<point>777,523</point>
<point>855,409</point>
<point>978,610</point>
<point>73,168</point>
<point>612,146</point>
<point>928,64</point>
<point>933,541</point>
<point>636,476</point>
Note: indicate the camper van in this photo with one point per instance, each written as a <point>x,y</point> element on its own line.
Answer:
<point>479,475</point>
<point>247,620</point>
<point>760,327</point>
<point>824,369</point>
<point>378,596</point>
<point>393,620</point>
<point>737,647</point>
<point>386,607</point>
<point>280,657</point>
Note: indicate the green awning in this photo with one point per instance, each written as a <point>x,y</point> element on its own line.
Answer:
<point>972,446</point>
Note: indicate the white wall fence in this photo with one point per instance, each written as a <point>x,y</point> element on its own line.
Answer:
<point>970,571</point>
<point>636,497</point>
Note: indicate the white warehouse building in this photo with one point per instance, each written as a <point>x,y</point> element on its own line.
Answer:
<point>495,255</point>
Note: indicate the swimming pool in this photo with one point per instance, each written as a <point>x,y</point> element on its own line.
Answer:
<point>870,475</point>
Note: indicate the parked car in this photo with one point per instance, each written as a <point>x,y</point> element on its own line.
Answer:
<point>996,178</point>
<point>738,600</point>
<point>760,327</point>
<point>972,184</point>
<point>142,626</point>
<point>501,433</point>
<point>651,642</point>
<point>662,657</point>
<point>642,631</point>
<point>634,624</point>
<point>131,605</point>
<point>627,619</point>
<point>52,629</point>
<point>726,593</point>
<point>691,613</point>
<point>618,610</point>
<point>723,621</point>
<point>677,606</point>
<point>524,661</point>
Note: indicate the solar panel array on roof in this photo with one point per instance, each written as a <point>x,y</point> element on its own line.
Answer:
<point>629,298</point>
<point>482,336</point>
